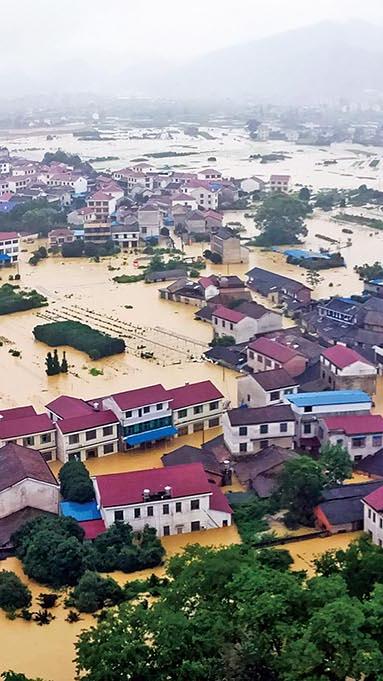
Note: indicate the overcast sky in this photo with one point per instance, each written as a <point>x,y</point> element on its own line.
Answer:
<point>44,30</point>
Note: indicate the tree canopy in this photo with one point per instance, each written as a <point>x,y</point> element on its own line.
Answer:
<point>302,482</point>
<point>336,464</point>
<point>280,219</point>
<point>75,482</point>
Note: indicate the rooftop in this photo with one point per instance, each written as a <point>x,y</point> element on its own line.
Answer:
<point>38,423</point>
<point>193,393</point>
<point>123,489</point>
<point>342,356</point>
<point>273,349</point>
<point>274,379</point>
<point>331,397</point>
<point>18,463</point>
<point>246,416</point>
<point>228,315</point>
<point>352,424</point>
<point>17,413</point>
<point>6,236</point>
<point>375,498</point>
<point>141,397</point>
<point>66,407</point>
<point>189,454</point>
<point>93,420</point>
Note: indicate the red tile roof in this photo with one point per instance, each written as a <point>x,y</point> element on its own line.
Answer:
<point>228,315</point>
<point>354,424</point>
<point>18,463</point>
<point>17,413</point>
<point>280,178</point>
<point>218,501</point>
<point>66,407</point>
<point>342,356</point>
<point>193,393</point>
<point>206,281</point>
<point>375,499</point>
<point>19,427</point>
<point>273,349</point>
<point>123,489</point>
<point>92,528</point>
<point>5,236</point>
<point>100,196</point>
<point>93,420</point>
<point>141,397</point>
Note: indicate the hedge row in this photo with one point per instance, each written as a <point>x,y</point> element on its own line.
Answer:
<point>16,301</point>
<point>79,336</point>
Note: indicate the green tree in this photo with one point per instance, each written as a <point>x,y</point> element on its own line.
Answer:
<point>367,272</point>
<point>280,219</point>
<point>313,278</point>
<point>13,676</point>
<point>50,369</point>
<point>94,592</point>
<point>223,341</point>
<point>13,593</point>
<point>304,194</point>
<point>336,464</point>
<point>64,364</point>
<point>75,482</point>
<point>56,362</point>
<point>301,485</point>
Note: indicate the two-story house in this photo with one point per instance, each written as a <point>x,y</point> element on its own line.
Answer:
<point>24,427</point>
<point>149,221</point>
<point>345,369</point>
<point>242,326</point>
<point>309,407</point>
<point>340,310</point>
<point>173,500</point>
<point>247,430</point>
<point>373,515</point>
<point>265,388</point>
<point>102,204</point>
<point>87,436</point>
<point>361,435</point>
<point>227,245</point>
<point>9,248</point>
<point>280,183</point>
<point>145,415</point>
<point>264,354</point>
<point>196,407</point>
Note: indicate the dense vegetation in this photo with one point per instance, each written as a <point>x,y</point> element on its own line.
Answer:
<point>33,216</point>
<point>94,592</point>
<point>367,272</point>
<point>13,593</point>
<point>75,482</point>
<point>13,300</point>
<point>280,219</point>
<point>78,249</point>
<point>80,336</point>
<point>239,614</point>
<point>374,223</point>
<point>53,551</point>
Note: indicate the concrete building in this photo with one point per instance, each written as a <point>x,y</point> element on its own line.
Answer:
<point>277,288</point>
<point>264,354</point>
<point>373,515</point>
<point>228,322</point>
<point>97,232</point>
<point>247,431</point>
<point>125,236</point>
<point>361,435</point>
<point>265,388</point>
<point>58,237</point>
<point>228,246</point>
<point>341,508</point>
<point>345,369</point>
<point>87,436</point>
<point>308,408</point>
<point>196,407</point>
<point>205,193</point>
<point>24,427</point>
<point>9,248</point>
<point>280,183</point>
<point>173,500</point>
<point>102,204</point>
<point>149,221</point>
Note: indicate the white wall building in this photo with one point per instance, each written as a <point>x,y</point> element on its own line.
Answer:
<point>87,437</point>
<point>196,407</point>
<point>373,515</point>
<point>247,431</point>
<point>9,248</point>
<point>265,388</point>
<point>361,435</point>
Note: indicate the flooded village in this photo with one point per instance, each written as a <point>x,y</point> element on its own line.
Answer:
<point>238,357</point>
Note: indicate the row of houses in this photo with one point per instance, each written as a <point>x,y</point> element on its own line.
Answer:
<point>73,428</point>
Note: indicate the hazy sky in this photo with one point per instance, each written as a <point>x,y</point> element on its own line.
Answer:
<point>43,30</point>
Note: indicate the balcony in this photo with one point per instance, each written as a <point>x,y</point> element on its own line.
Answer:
<point>150,435</point>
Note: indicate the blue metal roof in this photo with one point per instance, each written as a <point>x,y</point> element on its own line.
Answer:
<point>80,512</point>
<point>150,435</point>
<point>327,398</point>
<point>305,255</point>
<point>377,282</point>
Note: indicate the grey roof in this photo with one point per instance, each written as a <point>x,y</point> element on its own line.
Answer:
<point>261,472</point>
<point>165,275</point>
<point>231,357</point>
<point>269,280</point>
<point>188,454</point>
<point>343,505</point>
<point>225,233</point>
<point>205,313</point>
<point>356,489</point>
<point>341,305</point>
<point>372,465</point>
<point>274,379</point>
<point>253,310</point>
<point>245,416</point>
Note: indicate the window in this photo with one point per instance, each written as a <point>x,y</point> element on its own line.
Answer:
<point>73,439</point>
<point>243,446</point>
<point>267,363</point>
<point>264,429</point>
<point>128,414</point>
<point>182,413</point>
<point>108,430</point>
<point>194,505</point>
<point>28,441</point>
<point>242,430</point>
<point>149,511</point>
<point>307,428</point>
<point>223,323</point>
<point>74,456</point>
<point>260,358</point>
<point>376,440</point>
<point>307,410</point>
<point>231,326</point>
<point>46,437</point>
<point>178,507</point>
<point>198,409</point>
<point>90,434</point>
<point>275,395</point>
<point>197,427</point>
<point>159,406</point>
<point>283,427</point>
<point>381,523</point>
<point>109,448</point>
<point>146,410</point>
<point>213,423</point>
<point>137,513</point>
<point>373,517</point>
<point>166,530</point>
<point>165,509</point>
<point>369,513</point>
<point>289,391</point>
<point>224,523</point>
<point>183,430</point>
<point>357,457</point>
<point>195,526</point>
<point>213,406</point>
<point>358,442</point>
<point>118,516</point>
<point>264,444</point>
<point>251,354</point>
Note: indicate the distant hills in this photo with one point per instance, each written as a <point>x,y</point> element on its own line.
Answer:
<point>325,61</point>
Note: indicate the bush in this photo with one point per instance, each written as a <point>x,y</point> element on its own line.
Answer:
<point>13,593</point>
<point>75,482</point>
<point>120,549</point>
<point>213,257</point>
<point>12,300</point>
<point>79,336</point>
<point>94,592</point>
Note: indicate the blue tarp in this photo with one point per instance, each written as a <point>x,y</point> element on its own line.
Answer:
<point>150,435</point>
<point>305,255</point>
<point>80,512</point>
<point>4,257</point>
